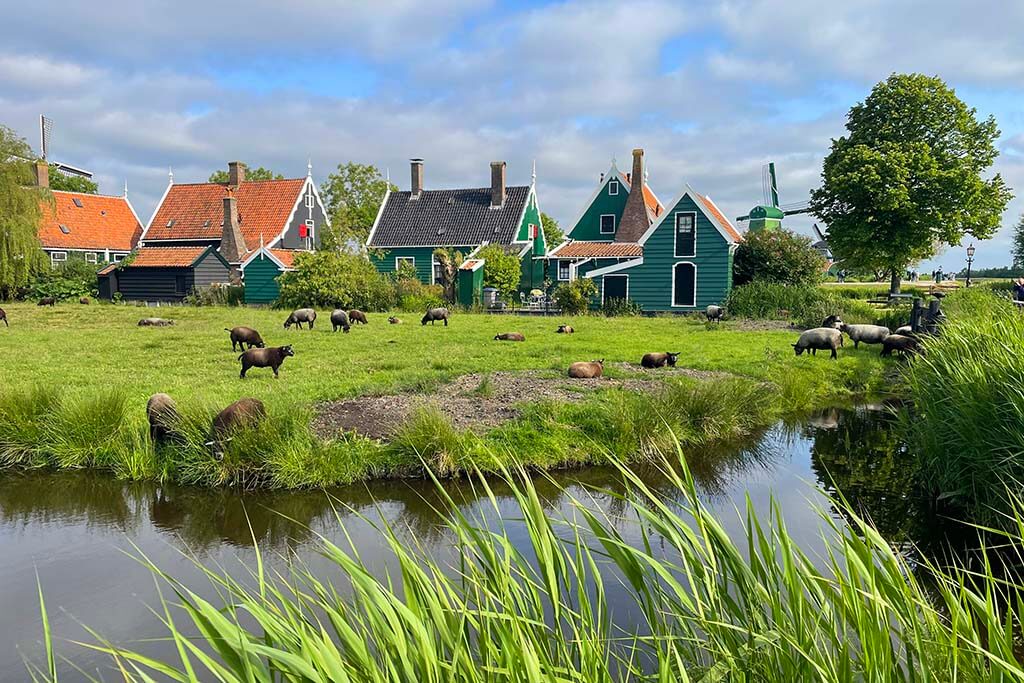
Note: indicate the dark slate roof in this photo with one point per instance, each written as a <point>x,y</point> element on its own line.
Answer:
<point>449,218</point>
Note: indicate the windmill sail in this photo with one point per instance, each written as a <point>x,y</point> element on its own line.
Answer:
<point>45,130</point>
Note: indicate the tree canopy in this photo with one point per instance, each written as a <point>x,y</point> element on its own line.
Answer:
<point>259,173</point>
<point>553,235</point>
<point>777,256</point>
<point>1017,248</point>
<point>907,178</point>
<point>502,269</point>
<point>20,212</point>
<point>352,196</point>
<point>71,183</point>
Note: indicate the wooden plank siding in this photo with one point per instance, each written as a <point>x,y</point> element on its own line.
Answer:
<point>588,227</point>
<point>209,270</point>
<point>261,281</point>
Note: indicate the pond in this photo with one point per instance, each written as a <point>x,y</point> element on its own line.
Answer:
<point>79,532</point>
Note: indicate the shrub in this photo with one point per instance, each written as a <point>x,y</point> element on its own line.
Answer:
<point>805,306</point>
<point>502,270</point>
<point>777,256</point>
<point>217,295</point>
<point>331,279</point>
<point>72,279</point>
<point>618,307</point>
<point>574,298</point>
<point>413,295</point>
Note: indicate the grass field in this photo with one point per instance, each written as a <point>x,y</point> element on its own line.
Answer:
<point>81,361</point>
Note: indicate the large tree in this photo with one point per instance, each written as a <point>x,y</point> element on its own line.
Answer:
<point>20,212</point>
<point>907,178</point>
<point>71,183</point>
<point>553,235</point>
<point>259,173</point>
<point>352,195</point>
<point>1017,248</point>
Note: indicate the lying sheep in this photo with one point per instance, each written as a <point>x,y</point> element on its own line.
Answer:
<point>824,338</point>
<point>900,343</point>
<point>587,369</point>
<point>3,316</point>
<point>265,358</point>
<point>339,318</point>
<point>509,336</point>
<point>833,321</point>
<point>47,301</point>
<point>394,321</point>
<point>357,316</point>
<point>659,360</point>
<point>715,313</point>
<point>869,334</point>
<point>565,329</point>
<point>435,314</point>
<point>243,336</point>
<point>155,322</point>
<point>163,418</point>
<point>85,301</point>
<point>245,413</point>
<point>299,316</point>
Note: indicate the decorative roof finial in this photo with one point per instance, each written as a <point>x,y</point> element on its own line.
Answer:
<point>170,175</point>
<point>309,168</point>
<point>613,160</point>
<point>387,174</point>
<point>647,174</point>
<point>126,188</point>
<point>533,177</point>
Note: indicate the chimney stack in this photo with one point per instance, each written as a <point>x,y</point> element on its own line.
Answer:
<point>497,184</point>
<point>232,244</point>
<point>236,173</point>
<point>41,173</point>
<point>635,220</point>
<point>416,168</point>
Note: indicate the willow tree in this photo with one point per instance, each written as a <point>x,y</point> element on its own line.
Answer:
<point>20,214</point>
<point>908,177</point>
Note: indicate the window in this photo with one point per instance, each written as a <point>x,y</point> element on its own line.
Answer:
<point>437,273</point>
<point>179,284</point>
<point>684,284</point>
<point>613,187</point>
<point>90,257</point>
<point>686,234</point>
<point>306,232</point>
<point>78,202</point>
<point>170,223</point>
<point>563,271</point>
<point>401,260</point>
<point>119,257</point>
<point>65,229</point>
<point>608,224</point>
<point>58,257</point>
<point>309,200</point>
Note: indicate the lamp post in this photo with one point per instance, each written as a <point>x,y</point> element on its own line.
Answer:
<point>970,260</point>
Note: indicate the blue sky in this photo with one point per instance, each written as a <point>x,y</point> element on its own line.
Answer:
<point>710,89</point>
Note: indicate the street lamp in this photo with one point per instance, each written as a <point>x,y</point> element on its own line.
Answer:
<point>970,260</point>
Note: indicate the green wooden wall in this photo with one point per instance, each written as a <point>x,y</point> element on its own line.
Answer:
<point>588,228</point>
<point>261,282</point>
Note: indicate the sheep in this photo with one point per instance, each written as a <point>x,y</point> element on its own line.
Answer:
<point>3,316</point>
<point>715,313</point>
<point>85,301</point>
<point>905,330</point>
<point>565,329</point>
<point>901,343</point>
<point>299,316</point>
<point>265,358</point>
<point>833,321</point>
<point>339,318</point>
<point>394,321</point>
<point>155,322</point>
<point>869,334</point>
<point>659,360</point>
<point>587,369</point>
<point>435,314</point>
<point>824,338</point>
<point>244,337</point>
<point>357,316</point>
<point>510,336</point>
<point>245,413</point>
<point>163,418</point>
<point>47,301</point>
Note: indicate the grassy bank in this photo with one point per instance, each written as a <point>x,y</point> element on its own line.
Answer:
<point>75,395</point>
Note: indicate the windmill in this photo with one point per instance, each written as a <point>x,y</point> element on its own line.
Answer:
<point>45,135</point>
<point>769,215</point>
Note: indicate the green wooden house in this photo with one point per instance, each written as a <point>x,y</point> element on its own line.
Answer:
<point>261,270</point>
<point>675,257</point>
<point>411,225</point>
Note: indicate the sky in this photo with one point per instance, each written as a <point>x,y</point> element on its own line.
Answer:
<point>711,89</point>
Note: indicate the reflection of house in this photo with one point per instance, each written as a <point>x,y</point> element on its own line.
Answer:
<point>675,257</point>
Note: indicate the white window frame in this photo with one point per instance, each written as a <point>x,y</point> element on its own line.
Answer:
<point>91,257</point>
<point>614,275</point>
<point>434,263</point>
<point>117,258</point>
<point>675,234</point>
<point>568,270</point>
<point>54,261</point>
<point>600,224</point>
<point>309,201</point>
<point>613,187</point>
<point>674,266</point>
<point>410,259</point>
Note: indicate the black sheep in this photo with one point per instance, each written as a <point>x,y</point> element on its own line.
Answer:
<point>47,301</point>
<point>265,358</point>
<point>339,318</point>
<point>357,316</point>
<point>243,337</point>
<point>3,316</point>
<point>245,413</point>
<point>163,418</point>
<point>435,314</point>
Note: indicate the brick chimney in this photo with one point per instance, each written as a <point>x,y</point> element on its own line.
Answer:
<point>416,172</point>
<point>41,173</point>
<point>497,184</point>
<point>634,221</point>
<point>236,173</point>
<point>232,244</point>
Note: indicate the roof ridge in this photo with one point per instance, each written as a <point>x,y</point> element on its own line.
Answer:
<point>91,194</point>
<point>246,182</point>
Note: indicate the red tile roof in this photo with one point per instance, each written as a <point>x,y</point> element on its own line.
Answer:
<point>108,269</point>
<point>598,250</point>
<point>654,206</point>
<point>285,256</point>
<point>713,208</point>
<point>165,257</point>
<point>197,210</point>
<point>102,222</point>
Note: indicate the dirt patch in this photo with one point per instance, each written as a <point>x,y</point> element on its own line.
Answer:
<point>673,372</point>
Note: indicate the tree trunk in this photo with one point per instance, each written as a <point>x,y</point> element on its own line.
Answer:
<point>894,282</point>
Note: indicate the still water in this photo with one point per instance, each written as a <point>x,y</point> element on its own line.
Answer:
<point>80,533</point>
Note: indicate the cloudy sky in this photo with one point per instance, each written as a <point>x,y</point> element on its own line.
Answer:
<point>712,89</point>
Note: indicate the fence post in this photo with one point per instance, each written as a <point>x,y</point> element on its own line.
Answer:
<point>915,315</point>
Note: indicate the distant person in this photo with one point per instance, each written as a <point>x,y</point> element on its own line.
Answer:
<point>1018,289</point>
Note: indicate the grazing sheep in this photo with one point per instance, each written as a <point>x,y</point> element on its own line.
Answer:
<point>299,316</point>
<point>659,360</point>
<point>901,343</point>
<point>357,316</point>
<point>265,358</point>
<point>587,369</point>
<point>905,330</point>
<point>435,314</point>
<point>163,416</point>
<point>3,316</point>
<point>833,321</point>
<point>824,338</point>
<point>394,321</point>
<point>565,329</point>
<point>869,334</point>
<point>47,301</point>
<point>245,413</point>
<point>510,336</point>
<point>243,336</point>
<point>715,313</point>
<point>85,301</point>
<point>155,322</point>
<point>339,318</point>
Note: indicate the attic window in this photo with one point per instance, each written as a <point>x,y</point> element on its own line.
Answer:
<point>77,201</point>
<point>497,229</point>
<point>64,229</point>
<point>613,187</point>
<point>170,223</point>
<point>206,223</point>
<point>442,230</point>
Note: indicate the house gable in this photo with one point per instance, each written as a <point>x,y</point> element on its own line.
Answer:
<point>608,199</point>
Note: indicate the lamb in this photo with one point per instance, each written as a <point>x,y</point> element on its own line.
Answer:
<point>715,313</point>
<point>659,360</point>
<point>901,343</point>
<point>587,369</point>
<point>3,316</point>
<point>394,321</point>
<point>47,301</point>
<point>339,318</point>
<point>245,413</point>
<point>869,334</point>
<point>565,329</point>
<point>510,336</point>
<point>299,316</point>
<point>163,418</point>
<point>435,314</point>
<point>155,322</point>
<point>265,358</point>
<point>833,321</point>
<point>245,336</point>
<point>824,338</point>
<point>357,316</point>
